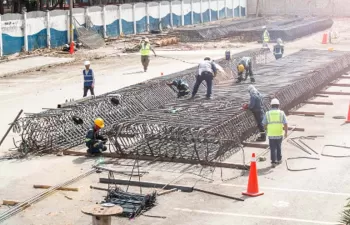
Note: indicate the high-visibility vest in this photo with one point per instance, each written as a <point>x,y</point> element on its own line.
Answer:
<point>274,122</point>
<point>266,36</point>
<point>88,78</point>
<point>145,49</point>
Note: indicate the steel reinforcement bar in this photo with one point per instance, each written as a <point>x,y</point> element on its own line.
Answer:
<point>205,130</point>
<point>54,129</point>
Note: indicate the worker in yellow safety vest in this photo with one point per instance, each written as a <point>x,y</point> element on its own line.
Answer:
<point>266,37</point>
<point>145,48</point>
<point>275,122</point>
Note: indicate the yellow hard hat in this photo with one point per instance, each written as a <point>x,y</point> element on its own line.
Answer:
<point>99,122</point>
<point>240,68</point>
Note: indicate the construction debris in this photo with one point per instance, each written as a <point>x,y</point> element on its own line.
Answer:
<point>61,188</point>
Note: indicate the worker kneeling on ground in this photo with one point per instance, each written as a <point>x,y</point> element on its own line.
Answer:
<point>256,107</point>
<point>278,49</point>
<point>245,65</point>
<point>181,86</point>
<point>275,122</point>
<point>206,71</point>
<point>93,140</point>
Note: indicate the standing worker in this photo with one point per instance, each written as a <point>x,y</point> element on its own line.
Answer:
<point>245,65</point>
<point>145,48</point>
<point>182,87</point>
<point>275,122</point>
<point>256,107</point>
<point>89,79</point>
<point>278,49</point>
<point>206,71</point>
<point>265,37</point>
<point>93,140</point>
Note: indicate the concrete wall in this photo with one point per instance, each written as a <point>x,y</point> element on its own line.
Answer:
<point>301,7</point>
<point>35,30</point>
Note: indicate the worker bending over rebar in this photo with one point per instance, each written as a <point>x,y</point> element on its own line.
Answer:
<point>93,140</point>
<point>245,65</point>
<point>256,107</point>
<point>206,72</point>
<point>182,87</point>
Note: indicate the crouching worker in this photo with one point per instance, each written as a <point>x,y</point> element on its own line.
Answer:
<point>93,140</point>
<point>182,87</point>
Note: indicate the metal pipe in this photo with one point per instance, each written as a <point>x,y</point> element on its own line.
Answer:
<point>12,124</point>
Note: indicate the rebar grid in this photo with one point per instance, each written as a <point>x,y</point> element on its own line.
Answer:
<point>213,130</point>
<point>54,130</point>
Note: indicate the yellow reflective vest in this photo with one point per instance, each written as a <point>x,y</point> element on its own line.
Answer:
<point>274,123</point>
<point>145,49</point>
<point>266,36</point>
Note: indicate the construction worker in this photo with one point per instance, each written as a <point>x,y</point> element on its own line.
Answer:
<point>265,37</point>
<point>206,71</point>
<point>89,79</point>
<point>278,49</point>
<point>256,107</point>
<point>181,86</point>
<point>245,65</point>
<point>93,140</point>
<point>145,48</point>
<point>275,122</point>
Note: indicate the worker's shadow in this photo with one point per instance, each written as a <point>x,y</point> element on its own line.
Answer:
<point>137,72</point>
<point>84,159</point>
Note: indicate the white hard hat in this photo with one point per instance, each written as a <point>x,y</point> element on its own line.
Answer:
<point>146,40</point>
<point>264,27</point>
<point>86,63</point>
<point>250,88</point>
<point>275,101</point>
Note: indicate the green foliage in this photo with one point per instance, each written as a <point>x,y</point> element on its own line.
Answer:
<point>345,215</point>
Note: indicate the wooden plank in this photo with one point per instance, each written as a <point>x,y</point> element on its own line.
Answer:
<point>10,202</point>
<point>334,93</point>
<point>339,85</point>
<point>322,96</point>
<point>166,159</point>
<point>318,103</point>
<point>306,113</point>
<point>61,188</point>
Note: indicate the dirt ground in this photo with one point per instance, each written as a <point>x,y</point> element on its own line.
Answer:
<point>307,197</point>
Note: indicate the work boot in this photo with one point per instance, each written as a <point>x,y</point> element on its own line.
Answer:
<point>104,148</point>
<point>279,161</point>
<point>252,80</point>
<point>273,164</point>
<point>239,80</point>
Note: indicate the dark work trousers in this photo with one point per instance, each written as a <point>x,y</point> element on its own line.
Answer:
<point>86,90</point>
<point>182,93</point>
<point>145,62</point>
<point>208,77</point>
<point>275,148</point>
<point>278,56</point>
<point>259,117</point>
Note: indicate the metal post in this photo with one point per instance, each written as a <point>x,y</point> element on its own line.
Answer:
<point>171,14</point>
<point>192,22</point>
<point>218,10</point>
<point>71,35</point>
<point>159,16</point>
<point>182,13</point>
<point>134,17</point>
<point>209,10</point>
<point>147,16</point>
<point>48,35</point>
<point>239,8</point>
<point>233,8</point>
<point>201,7</point>
<point>104,21</point>
<point>225,8</point>
<point>1,45</point>
<point>25,31</point>
<point>120,20</point>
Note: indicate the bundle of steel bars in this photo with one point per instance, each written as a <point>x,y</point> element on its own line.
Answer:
<point>205,130</point>
<point>54,129</point>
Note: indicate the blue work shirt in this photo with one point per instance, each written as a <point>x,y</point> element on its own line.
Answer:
<point>255,103</point>
<point>284,121</point>
<point>88,78</point>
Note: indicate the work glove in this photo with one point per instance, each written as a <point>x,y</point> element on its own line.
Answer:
<point>245,106</point>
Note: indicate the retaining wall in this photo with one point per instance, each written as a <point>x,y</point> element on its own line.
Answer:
<point>38,29</point>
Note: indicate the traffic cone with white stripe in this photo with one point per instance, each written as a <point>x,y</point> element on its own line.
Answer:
<point>253,186</point>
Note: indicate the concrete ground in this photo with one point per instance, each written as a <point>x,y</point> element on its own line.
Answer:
<point>306,197</point>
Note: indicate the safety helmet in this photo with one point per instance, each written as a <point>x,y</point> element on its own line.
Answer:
<point>264,27</point>
<point>275,101</point>
<point>240,68</point>
<point>250,88</point>
<point>207,58</point>
<point>176,82</point>
<point>99,122</point>
<point>279,41</point>
<point>146,40</point>
<point>86,63</point>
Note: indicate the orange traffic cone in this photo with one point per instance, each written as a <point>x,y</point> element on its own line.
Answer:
<point>324,39</point>
<point>253,186</point>
<point>71,48</point>
<point>348,119</point>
